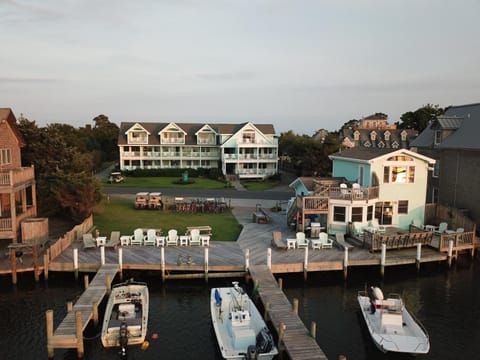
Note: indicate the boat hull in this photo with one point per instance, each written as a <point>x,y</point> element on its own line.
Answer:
<point>236,339</point>
<point>393,330</point>
<point>126,313</point>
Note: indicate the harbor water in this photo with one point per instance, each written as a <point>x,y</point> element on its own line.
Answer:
<point>446,301</point>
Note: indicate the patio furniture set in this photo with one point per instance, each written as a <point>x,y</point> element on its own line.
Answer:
<point>301,242</point>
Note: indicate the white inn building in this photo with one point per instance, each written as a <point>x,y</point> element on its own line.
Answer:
<point>246,150</point>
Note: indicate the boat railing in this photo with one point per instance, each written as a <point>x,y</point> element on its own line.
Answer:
<point>419,323</point>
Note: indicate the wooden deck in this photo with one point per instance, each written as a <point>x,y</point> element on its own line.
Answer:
<point>296,339</point>
<point>65,335</point>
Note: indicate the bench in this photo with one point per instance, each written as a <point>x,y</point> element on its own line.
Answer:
<point>277,241</point>
<point>340,241</point>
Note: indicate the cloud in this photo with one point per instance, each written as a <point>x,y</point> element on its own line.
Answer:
<point>18,80</point>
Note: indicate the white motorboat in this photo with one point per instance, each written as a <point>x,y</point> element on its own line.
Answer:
<point>240,329</point>
<point>126,315</point>
<point>392,327</point>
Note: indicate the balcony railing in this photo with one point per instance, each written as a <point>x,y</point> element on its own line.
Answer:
<point>17,176</point>
<point>351,194</point>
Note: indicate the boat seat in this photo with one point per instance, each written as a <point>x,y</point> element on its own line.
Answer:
<point>126,311</point>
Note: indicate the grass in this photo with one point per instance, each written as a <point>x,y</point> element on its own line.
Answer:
<point>120,215</point>
<point>168,182</point>
<point>259,185</point>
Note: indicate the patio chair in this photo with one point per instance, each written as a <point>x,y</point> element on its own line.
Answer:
<point>376,226</point>
<point>172,237</point>
<point>137,237</point>
<point>460,230</point>
<point>88,242</point>
<point>357,228</point>
<point>442,227</point>
<point>418,223</point>
<point>357,191</point>
<point>326,242</point>
<point>302,242</point>
<point>195,237</point>
<point>150,238</point>
<point>344,190</point>
<point>114,240</point>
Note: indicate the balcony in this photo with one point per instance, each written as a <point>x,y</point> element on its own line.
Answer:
<point>19,176</point>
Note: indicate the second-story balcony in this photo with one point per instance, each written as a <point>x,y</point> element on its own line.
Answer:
<point>10,179</point>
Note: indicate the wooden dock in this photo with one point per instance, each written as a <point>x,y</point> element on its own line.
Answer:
<point>296,339</point>
<point>69,333</point>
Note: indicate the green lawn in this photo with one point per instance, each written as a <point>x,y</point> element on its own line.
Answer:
<point>168,182</point>
<point>121,215</point>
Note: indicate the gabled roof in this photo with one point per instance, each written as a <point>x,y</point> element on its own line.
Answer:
<point>6,114</point>
<point>464,118</point>
<point>190,129</point>
<point>137,127</point>
<point>364,139</point>
<point>367,155</point>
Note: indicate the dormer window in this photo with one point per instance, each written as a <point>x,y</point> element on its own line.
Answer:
<point>356,135</point>
<point>403,135</point>
<point>387,135</point>
<point>373,135</point>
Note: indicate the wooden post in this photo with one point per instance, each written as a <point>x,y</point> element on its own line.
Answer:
<point>281,333</point>
<point>280,283</point>
<point>450,251</point>
<point>108,283</point>
<point>206,265</point>
<point>120,262</point>
<point>49,318</point>
<point>45,266</point>
<point>313,329</point>
<point>247,259</point>
<point>102,255</point>
<point>419,256</point>
<point>35,263</point>
<point>69,306</point>
<point>305,264</point>
<point>85,281</point>
<point>255,289</point>
<point>95,313</point>
<point>75,262</point>
<point>383,259</point>
<point>162,263</point>
<point>345,264</point>
<point>269,258</point>
<point>79,333</point>
<point>267,311</point>
<point>13,260</point>
<point>295,306</point>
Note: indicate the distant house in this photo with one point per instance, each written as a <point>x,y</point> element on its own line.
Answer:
<point>374,131</point>
<point>453,140</point>
<point>17,183</point>
<point>320,135</point>
<point>385,184</point>
<point>245,150</point>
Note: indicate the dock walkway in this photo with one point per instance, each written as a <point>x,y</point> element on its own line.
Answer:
<point>296,339</point>
<point>65,336</point>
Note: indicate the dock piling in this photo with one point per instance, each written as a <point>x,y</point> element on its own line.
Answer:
<point>345,263</point>
<point>280,283</point>
<point>49,318</point>
<point>313,329</point>
<point>247,259</point>
<point>162,263</point>
<point>295,306</point>
<point>45,266</point>
<point>206,265</point>
<point>419,256</point>
<point>102,255</point>
<point>120,262</point>
<point>450,252</point>
<point>305,264</point>
<point>79,333</point>
<point>75,262</point>
<point>383,259</point>
<point>269,258</point>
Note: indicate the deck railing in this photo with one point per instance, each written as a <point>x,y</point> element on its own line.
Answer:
<point>17,176</point>
<point>351,194</point>
<point>374,240</point>
<point>460,241</point>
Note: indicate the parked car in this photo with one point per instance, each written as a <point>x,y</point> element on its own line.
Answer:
<point>116,177</point>
<point>141,200</point>
<point>155,200</point>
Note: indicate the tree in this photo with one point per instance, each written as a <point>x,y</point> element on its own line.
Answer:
<point>420,118</point>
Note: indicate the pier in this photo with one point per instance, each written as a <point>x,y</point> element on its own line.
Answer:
<point>69,333</point>
<point>294,338</point>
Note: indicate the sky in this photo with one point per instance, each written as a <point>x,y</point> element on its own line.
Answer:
<point>301,65</point>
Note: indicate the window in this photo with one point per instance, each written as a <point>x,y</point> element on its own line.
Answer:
<point>435,195</point>
<point>384,212</point>
<point>339,213</point>
<point>436,169</point>
<point>403,206</point>
<point>386,174</point>
<point>5,157</point>
<point>399,174</point>
<point>438,137</point>
<point>357,214</point>
<point>369,213</point>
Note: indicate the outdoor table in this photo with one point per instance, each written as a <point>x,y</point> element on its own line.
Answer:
<point>101,240</point>
<point>291,243</point>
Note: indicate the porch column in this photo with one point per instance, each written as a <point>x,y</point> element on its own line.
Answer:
<point>13,216</point>
<point>23,195</point>
<point>34,198</point>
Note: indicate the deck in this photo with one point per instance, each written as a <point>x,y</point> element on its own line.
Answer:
<point>65,335</point>
<point>296,339</point>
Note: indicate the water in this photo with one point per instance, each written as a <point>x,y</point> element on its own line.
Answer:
<point>445,301</point>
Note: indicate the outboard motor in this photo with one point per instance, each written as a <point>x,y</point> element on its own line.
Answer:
<point>252,352</point>
<point>123,339</point>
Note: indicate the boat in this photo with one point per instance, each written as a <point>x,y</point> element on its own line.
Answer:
<point>391,326</point>
<point>126,315</point>
<point>240,329</point>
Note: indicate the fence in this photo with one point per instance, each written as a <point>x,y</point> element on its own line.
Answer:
<point>66,240</point>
